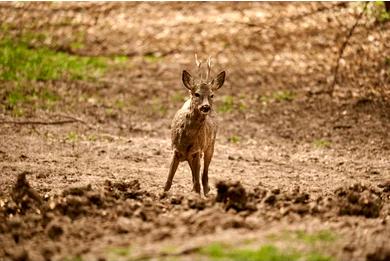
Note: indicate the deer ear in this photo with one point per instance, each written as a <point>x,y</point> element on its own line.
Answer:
<point>219,80</point>
<point>187,80</point>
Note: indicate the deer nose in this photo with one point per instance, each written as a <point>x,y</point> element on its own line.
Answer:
<point>205,108</point>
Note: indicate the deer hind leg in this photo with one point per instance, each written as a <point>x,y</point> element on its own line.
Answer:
<point>194,163</point>
<point>205,176</point>
<point>172,171</point>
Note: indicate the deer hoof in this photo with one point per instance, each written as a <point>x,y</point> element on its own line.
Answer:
<point>196,188</point>
<point>167,187</point>
<point>206,190</point>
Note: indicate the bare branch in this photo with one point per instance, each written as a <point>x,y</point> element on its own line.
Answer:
<point>342,49</point>
<point>387,6</point>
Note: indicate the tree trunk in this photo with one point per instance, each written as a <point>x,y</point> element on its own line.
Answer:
<point>387,6</point>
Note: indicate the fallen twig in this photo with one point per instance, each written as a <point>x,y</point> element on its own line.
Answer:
<point>70,119</point>
<point>342,49</point>
<point>39,122</point>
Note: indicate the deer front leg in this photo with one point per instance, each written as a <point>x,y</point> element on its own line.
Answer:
<point>172,171</point>
<point>194,163</point>
<point>205,176</point>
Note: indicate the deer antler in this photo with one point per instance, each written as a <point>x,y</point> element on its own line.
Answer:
<point>198,64</point>
<point>208,68</point>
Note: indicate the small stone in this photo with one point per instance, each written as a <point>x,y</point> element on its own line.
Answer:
<point>271,199</point>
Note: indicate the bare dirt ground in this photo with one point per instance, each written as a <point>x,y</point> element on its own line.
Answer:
<point>289,159</point>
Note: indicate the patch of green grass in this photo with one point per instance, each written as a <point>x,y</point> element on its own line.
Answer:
<point>121,251</point>
<point>152,57</point>
<point>277,96</point>
<point>119,104</point>
<point>387,61</point>
<point>227,104</point>
<point>18,96</point>
<point>17,112</point>
<point>4,27</point>
<point>79,41</point>
<point>234,139</point>
<point>18,62</point>
<point>264,99</point>
<point>92,137</point>
<point>72,136</point>
<point>319,236</point>
<point>14,97</point>
<point>264,253</point>
<point>378,10</point>
<point>30,37</point>
<point>77,45</point>
<point>321,143</point>
<point>121,59</point>
<point>23,67</point>
<point>230,103</point>
<point>178,97</point>
<point>242,107</point>
<point>158,107</point>
<point>109,111</point>
<point>315,256</point>
<point>48,95</point>
<point>169,250</point>
<point>283,95</point>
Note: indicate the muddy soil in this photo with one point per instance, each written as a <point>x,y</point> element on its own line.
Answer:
<point>288,156</point>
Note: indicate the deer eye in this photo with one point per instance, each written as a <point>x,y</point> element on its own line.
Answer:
<point>212,96</point>
<point>197,95</point>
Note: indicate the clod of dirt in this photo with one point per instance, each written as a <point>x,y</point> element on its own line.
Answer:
<point>302,198</point>
<point>233,222</point>
<point>95,198</point>
<point>55,230</point>
<point>73,206</point>
<point>358,200</point>
<point>123,225</point>
<point>380,254</point>
<point>300,209</point>
<point>257,195</point>
<point>271,199</point>
<point>18,254</point>
<point>24,195</point>
<point>176,199</point>
<point>196,203</point>
<point>385,186</point>
<point>77,191</point>
<point>232,194</point>
<point>149,210</point>
<point>123,189</point>
<point>125,186</point>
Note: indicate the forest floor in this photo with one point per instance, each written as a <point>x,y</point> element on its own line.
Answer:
<point>297,174</point>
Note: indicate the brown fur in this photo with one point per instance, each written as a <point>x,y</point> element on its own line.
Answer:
<point>194,129</point>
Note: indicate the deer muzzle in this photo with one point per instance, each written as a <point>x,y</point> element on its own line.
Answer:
<point>205,108</point>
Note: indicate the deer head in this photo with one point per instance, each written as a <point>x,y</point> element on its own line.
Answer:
<point>202,89</point>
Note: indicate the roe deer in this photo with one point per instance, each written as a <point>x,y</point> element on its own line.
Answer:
<point>194,127</point>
